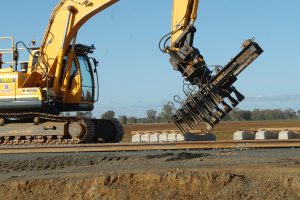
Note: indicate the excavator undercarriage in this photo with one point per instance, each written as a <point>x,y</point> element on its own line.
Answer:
<point>41,128</point>
<point>30,115</point>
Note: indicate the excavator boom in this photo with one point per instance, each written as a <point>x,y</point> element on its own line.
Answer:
<point>184,14</point>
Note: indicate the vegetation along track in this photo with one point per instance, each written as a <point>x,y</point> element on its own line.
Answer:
<point>4,149</point>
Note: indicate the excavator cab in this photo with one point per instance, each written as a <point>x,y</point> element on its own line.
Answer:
<point>78,82</point>
<point>82,79</point>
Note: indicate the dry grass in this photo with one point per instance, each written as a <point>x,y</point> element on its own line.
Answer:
<point>224,130</point>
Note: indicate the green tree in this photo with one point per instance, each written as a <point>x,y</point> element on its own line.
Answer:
<point>123,119</point>
<point>132,120</point>
<point>245,115</point>
<point>298,113</point>
<point>86,114</point>
<point>159,119</point>
<point>166,113</point>
<point>151,116</point>
<point>290,113</point>
<point>234,115</point>
<point>257,115</point>
<point>108,115</point>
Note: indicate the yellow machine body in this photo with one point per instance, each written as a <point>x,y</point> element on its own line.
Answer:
<point>19,95</point>
<point>55,78</point>
<point>60,76</point>
<point>13,97</point>
<point>184,14</point>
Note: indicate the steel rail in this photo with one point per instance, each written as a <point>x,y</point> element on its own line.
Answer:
<point>149,146</point>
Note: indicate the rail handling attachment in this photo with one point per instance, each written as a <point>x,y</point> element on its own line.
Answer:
<point>209,103</point>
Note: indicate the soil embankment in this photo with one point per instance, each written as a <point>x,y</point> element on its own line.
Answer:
<point>234,174</point>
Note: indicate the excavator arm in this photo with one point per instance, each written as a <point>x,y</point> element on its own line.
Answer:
<point>184,16</point>
<point>184,56</point>
<point>209,94</point>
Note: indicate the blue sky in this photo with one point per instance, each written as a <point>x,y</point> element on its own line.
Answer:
<point>136,76</point>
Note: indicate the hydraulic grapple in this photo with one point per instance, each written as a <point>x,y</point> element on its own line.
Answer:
<point>210,97</point>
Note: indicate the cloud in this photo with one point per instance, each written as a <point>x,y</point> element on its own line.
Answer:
<point>276,101</point>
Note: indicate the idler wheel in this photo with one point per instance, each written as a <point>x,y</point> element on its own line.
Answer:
<point>2,121</point>
<point>76,130</point>
<point>36,120</point>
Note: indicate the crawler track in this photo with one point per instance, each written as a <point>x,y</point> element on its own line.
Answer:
<point>149,146</point>
<point>42,128</point>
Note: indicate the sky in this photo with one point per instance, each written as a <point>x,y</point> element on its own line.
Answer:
<point>135,76</point>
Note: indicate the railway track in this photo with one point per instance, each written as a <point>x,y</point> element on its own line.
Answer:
<point>149,146</point>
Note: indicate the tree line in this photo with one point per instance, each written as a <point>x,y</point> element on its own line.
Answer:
<point>164,116</point>
<point>152,116</point>
<point>262,114</point>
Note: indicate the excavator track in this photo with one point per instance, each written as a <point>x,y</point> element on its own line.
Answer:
<point>41,128</point>
<point>108,131</point>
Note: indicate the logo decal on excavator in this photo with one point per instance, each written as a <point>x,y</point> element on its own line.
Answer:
<point>6,89</point>
<point>29,91</point>
<point>7,80</point>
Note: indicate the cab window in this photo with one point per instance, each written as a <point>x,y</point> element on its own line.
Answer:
<point>87,79</point>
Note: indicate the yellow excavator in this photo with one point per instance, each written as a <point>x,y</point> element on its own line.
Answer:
<point>61,76</point>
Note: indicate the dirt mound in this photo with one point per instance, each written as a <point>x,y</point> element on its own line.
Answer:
<point>176,184</point>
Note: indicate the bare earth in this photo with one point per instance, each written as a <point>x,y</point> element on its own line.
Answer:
<point>214,174</point>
